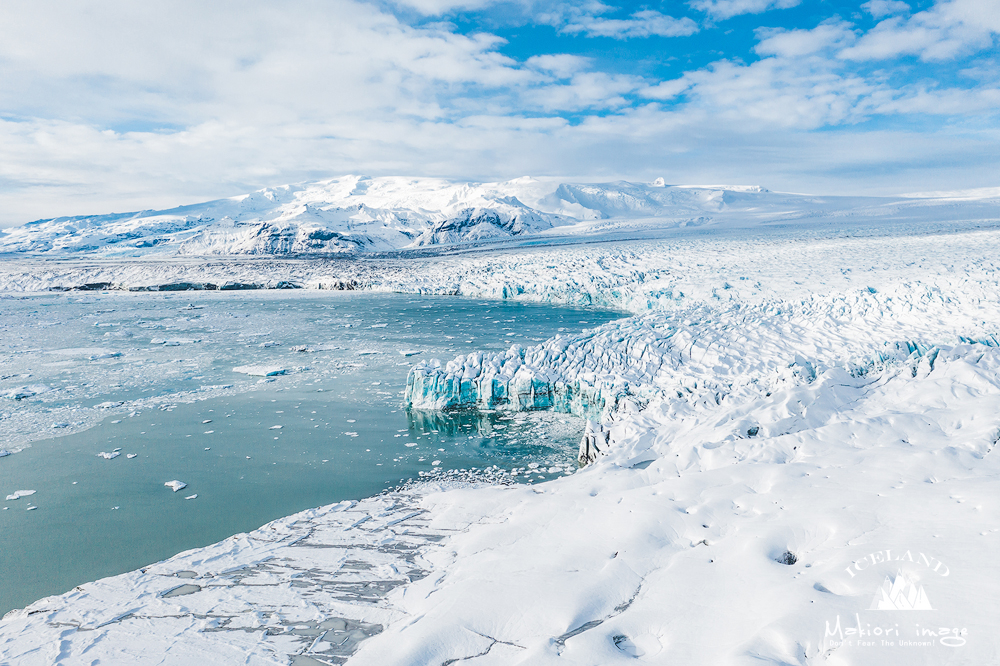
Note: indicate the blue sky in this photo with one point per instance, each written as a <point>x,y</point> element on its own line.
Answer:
<point>115,105</point>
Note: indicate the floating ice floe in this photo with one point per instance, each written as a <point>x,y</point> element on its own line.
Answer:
<point>4,452</point>
<point>175,485</point>
<point>261,370</point>
<point>275,427</point>
<point>18,494</point>
<point>60,425</point>
<point>368,352</point>
<point>173,342</point>
<point>23,392</point>
<point>411,352</point>
<point>111,404</point>
<point>195,496</point>
<point>98,357</point>
<point>109,456</point>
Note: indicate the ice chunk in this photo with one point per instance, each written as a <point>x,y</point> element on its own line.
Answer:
<point>175,485</point>
<point>173,342</point>
<point>195,496</point>
<point>18,494</point>
<point>60,425</point>
<point>275,427</point>
<point>4,452</point>
<point>261,370</point>
<point>109,456</point>
<point>25,392</point>
<point>131,455</point>
<point>411,352</point>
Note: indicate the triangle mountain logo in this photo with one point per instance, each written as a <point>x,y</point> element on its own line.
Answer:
<point>900,593</point>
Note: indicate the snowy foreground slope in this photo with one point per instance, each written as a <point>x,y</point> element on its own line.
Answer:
<point>359,214</point>
<point>799,468</point>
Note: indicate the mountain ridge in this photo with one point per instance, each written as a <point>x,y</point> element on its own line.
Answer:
<point>355,214</point>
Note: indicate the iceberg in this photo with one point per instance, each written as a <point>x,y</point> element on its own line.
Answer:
<point>261,370</point>
<point>175,485</point>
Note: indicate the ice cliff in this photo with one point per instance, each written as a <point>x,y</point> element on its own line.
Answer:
<point>690,362</point>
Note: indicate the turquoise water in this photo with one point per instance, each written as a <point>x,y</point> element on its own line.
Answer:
<point>187,416</point>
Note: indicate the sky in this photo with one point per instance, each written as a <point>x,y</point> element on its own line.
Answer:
<point>114,105</point>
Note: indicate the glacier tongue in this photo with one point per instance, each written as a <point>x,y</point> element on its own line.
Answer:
<point>692,361</point>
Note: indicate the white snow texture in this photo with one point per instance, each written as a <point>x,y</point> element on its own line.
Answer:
<point>796,433</point>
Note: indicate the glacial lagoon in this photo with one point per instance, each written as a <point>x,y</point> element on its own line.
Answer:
<point>148,381</point>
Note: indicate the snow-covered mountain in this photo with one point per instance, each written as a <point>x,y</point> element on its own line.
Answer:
<point>361,214</point>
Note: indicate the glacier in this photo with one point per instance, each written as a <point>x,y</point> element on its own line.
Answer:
<point>788,415</point>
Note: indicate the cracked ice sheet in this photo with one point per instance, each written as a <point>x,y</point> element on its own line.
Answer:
<point>311,584</point>
<point>897,462</point>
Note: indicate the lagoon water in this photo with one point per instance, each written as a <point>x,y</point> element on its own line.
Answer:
<point>251,449</point>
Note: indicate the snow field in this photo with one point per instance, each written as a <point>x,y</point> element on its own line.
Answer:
<point>840,403</point>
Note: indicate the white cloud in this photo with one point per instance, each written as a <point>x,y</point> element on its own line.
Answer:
<point>947,30</point>
<point>646,23</point>
<point>795,43</point>
<point>723,9</point>
<point>561,65</point>
<point>880,8</point>
<point>585,90</point>
<point>439,7</point>
<point>667,89</point>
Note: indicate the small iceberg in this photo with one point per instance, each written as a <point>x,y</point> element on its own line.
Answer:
<point>109,456</point>
<point>175,485</point>
<point>260,370</point>
<point>173,342</point>
<point>18,494</point>
<point>131,455</point>
<point>4,452</point>
<point>411,352</point>
<point>195,496</point>
<point>111,404</point>
<point>277,427</point>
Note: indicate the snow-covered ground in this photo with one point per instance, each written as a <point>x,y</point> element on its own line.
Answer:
<point>798,469</point>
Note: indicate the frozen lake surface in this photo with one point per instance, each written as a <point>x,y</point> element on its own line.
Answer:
<point>151,377</point>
